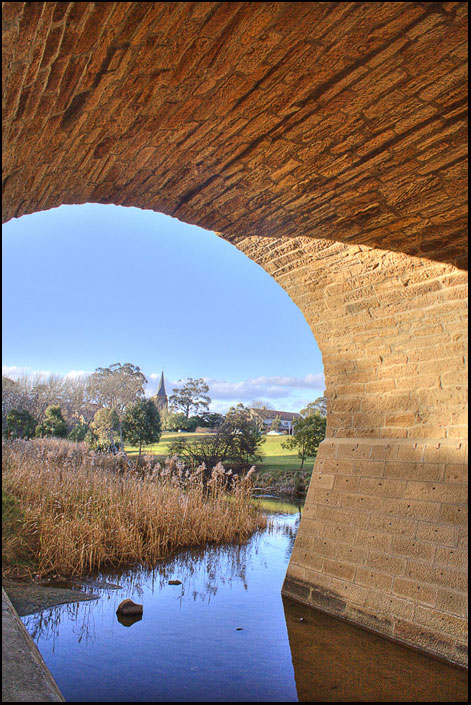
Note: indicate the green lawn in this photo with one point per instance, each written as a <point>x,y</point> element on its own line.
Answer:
<point>275,458</point>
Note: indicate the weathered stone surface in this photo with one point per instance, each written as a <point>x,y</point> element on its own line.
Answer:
<point>128,608</point>
<point>327,141</point>
<point>373,547</point>
<point>305,102</point>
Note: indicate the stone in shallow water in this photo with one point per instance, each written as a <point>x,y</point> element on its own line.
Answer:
<point>128,607</point>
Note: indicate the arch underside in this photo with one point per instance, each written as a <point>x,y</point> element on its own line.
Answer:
<point>328,142</point>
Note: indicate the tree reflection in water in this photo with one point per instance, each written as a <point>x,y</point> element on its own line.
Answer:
<point>201,570</point>
<point>46,624</point>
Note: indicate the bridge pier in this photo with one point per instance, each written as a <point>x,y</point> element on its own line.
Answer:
<point>380,541</point>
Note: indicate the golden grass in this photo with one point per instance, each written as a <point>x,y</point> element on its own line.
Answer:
<point>83,511</point>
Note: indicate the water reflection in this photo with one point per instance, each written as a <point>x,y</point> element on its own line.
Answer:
<point>200,572</point>
<point>46,625</point>
<point>127,620</point>
<point>338,662</point>
<point>225,635</point>
<point>219,636</point>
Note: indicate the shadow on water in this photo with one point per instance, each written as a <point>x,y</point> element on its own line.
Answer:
<point>338,662</point>
<point>224,634</point>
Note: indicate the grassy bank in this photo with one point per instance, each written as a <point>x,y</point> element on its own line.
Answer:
<point>279,469</point>
<point>71,511</point>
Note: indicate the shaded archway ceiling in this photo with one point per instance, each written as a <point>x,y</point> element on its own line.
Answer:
<point>344,121</point>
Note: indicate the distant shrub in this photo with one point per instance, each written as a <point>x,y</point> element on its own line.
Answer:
<point>78,433</point>
<point>19,424</point>
<point>53,425</point>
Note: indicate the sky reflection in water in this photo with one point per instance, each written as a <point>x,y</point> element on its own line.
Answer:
<point>225,635</point>
<point>220,636</point>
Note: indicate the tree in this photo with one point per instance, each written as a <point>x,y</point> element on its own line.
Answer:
<point>276,423</point>
<point>141,424</point>
<point>104,423</point>
<point>173,422</point>
<point>319,404</point>
<point>78,433</point>
<point>178,422</point>
<point>208,419</point>
<point>309,432</point>
<point>17,394</point>
<point>236,443</point>
<point>44,391</point>
<point>245,434</point>
<point>12,399</point>
<point>192,397</point>
<point>19,424</point>
<point>53,424</point>
<point>258,404</point>
<point>76,397</point>
<point>36,393</point>
<point>115,387</point>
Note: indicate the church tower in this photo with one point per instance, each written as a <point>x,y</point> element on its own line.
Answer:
<point>161,399</point>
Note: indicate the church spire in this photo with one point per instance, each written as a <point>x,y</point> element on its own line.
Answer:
<point>161,390</point>
<point>161,399</point>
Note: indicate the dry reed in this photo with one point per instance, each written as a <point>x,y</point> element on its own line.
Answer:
<point>82,511</point>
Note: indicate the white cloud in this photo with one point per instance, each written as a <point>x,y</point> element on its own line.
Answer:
<point>281,393</point>
<point>15,372</point>
<point>78,373</point>
<point>263,387</point>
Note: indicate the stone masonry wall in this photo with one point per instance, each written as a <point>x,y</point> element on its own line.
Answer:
<point>392,330</point>
<point>383,537</point>
<point>344,121</point>
<point>383,540</point>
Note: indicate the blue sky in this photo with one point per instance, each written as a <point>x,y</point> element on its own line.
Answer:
<point>87,286</point>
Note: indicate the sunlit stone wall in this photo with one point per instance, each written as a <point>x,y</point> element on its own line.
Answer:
<point>328,141</point>
<point>383,537</point>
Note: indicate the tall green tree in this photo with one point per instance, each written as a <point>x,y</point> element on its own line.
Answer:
<point>309,432</point>
<point>209,419</point>
<point>53,424</point>
<point>141,424</point>
<point>236,443</point>
<point>19,424</point>
<point>191,398</point>
<point>104,423</point>
<point>78,433</point>
<point>179,422</point>
<point>116,387</point>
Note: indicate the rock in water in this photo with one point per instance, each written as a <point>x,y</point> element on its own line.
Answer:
<point>127,620</point>
<point>128,607</point>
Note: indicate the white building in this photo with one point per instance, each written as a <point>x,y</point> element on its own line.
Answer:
<point>268,416</point>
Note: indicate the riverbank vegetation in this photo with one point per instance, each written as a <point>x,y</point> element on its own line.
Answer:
<point>277,471</point>
<point>71,511</point>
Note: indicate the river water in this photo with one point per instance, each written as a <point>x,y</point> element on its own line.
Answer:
<point>224,634</point>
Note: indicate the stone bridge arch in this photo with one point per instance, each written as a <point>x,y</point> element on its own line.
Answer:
<point>328,142</point>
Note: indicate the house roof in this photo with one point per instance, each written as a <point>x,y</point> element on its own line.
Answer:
<point>270,414</point>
